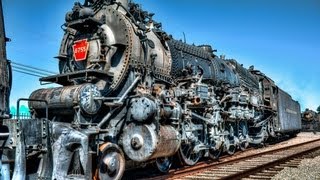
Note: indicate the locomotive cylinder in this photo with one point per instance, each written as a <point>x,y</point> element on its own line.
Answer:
<point>62,100</point>
<point>142,142</point>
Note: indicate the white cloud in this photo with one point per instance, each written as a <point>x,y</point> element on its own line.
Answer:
<point>306,93</point>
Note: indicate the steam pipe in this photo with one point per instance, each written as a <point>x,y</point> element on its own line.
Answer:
<point>122,6</point>
<point>124,3</point>
<point>106,118</point>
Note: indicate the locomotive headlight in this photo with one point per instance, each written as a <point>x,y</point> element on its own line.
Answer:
<point>87,96</point>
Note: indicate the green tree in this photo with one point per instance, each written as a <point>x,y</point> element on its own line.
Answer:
<point>23,111</point>
<point>318,109</point>
<point>13,110</point>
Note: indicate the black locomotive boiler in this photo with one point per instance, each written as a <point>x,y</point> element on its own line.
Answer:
<point>131,94</point>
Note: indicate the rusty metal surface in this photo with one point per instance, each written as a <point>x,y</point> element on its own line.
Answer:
<point>142,143</point>
<point>62,100</point>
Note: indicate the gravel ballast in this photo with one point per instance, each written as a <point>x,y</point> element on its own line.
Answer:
<point>309,168</point>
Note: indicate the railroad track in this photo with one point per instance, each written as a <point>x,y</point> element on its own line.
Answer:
<point>262,165</point>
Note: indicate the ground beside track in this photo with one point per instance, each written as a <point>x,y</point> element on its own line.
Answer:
<point>309,168</point>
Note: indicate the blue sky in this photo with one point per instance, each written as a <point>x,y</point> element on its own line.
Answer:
<point>281,38</point>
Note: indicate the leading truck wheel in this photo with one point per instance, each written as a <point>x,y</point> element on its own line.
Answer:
<point>164,164</point>
<point>112,162</point>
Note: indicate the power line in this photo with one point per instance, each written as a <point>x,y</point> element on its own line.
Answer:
<point>30,70</point>
<point>33,68</point>
<point>31,74</point>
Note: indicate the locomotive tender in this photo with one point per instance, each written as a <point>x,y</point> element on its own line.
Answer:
<point>131,94</point>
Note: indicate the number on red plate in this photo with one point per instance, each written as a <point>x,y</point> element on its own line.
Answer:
<point>80,50</point>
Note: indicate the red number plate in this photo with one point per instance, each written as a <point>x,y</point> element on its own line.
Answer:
<point>80,50</point>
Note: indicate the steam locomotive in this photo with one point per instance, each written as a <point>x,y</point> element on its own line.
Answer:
<point>310,120</point>
<point>131,94</point>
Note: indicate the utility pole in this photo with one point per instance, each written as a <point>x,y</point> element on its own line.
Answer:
<point>5,71</point>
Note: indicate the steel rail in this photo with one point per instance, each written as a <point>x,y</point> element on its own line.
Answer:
<point>181,173</point>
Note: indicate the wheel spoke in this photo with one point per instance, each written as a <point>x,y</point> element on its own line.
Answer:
<point>188,157</point>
